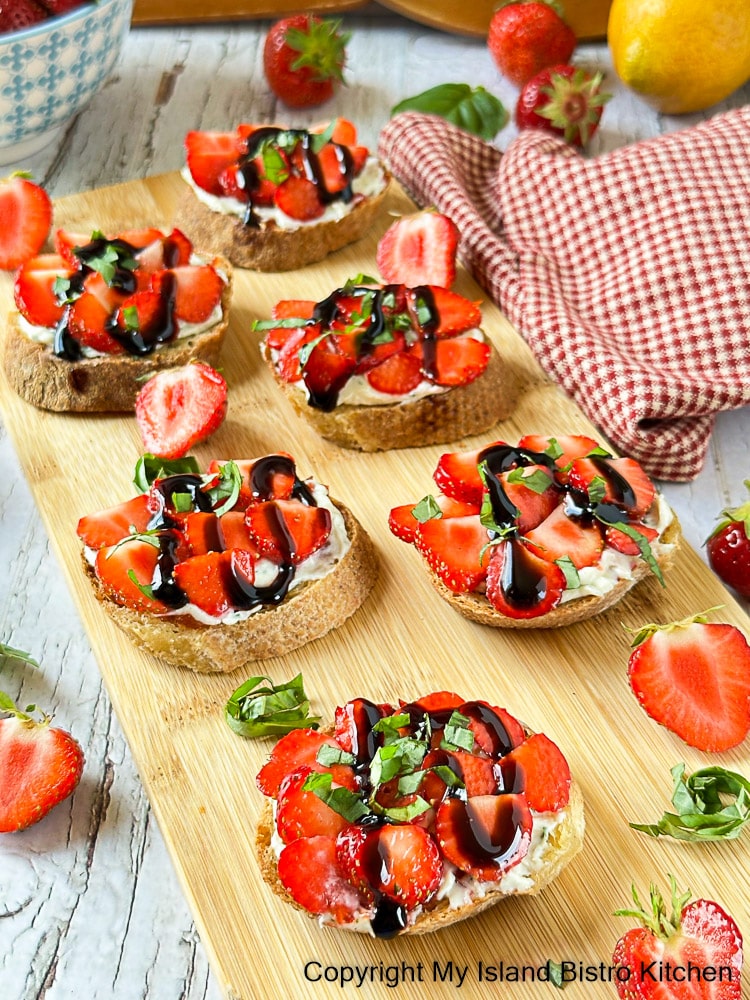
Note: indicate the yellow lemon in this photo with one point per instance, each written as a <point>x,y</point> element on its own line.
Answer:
<point>681,55</point>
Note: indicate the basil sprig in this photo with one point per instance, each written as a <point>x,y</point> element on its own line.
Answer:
<point>474,110</point>
<point>150,467</point>
<point>258,709</point>
<point>711,804</point>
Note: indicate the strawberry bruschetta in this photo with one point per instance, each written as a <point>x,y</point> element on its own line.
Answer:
<point>407,818</point>
<point>212,571</point>
<point>540,534</point>
<point>101,313</point>
<point>275,199</point>
<point>375,367</point>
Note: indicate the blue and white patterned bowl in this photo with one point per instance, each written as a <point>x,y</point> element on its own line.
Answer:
<point>50,71</point>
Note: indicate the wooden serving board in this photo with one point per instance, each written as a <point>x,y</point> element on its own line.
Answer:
<point>403,642</point>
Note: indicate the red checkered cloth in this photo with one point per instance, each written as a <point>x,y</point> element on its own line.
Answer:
<point>628,274</point>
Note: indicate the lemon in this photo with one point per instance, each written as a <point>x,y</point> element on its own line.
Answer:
<point>681,55</point>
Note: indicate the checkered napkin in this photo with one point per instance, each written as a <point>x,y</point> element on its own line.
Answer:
<point>628,273</point>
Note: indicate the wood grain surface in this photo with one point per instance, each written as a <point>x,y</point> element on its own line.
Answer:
<point>568,683</point>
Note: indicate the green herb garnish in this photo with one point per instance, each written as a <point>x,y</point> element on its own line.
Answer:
<point>457,734</point>
<point>149,468</point>
<point>268,709</point>
<point>473,109</point>
<point>426,510</point>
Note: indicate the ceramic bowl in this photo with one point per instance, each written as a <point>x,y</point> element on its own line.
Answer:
<point>50,71</point>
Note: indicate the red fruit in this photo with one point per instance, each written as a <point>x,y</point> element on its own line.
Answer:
<point>145,312</point>
<point>401,861</point>
<point>298,198</point>
<point>397,375</point>
<point>107,527</point>
<point>303,59</point>
<point>353,726</point>
<point>302,813</point>
<point>625,483</point>
<point>480,775</point>
<point>233,532</point>
<point>287,530</point>
<point>297,749</point>
<point>525,37</point>
<point>126,571</point>
<point>179,407</point>
<point>208,580</point>
<point>694,678</point>
<point>209,154</point>
<point>456,314</point>
<point>25,208</point>
<point>559,536</point>
<point>196,288</point>
<point>456,549</point>
<point>419,249</point>
<point>33,289</point>
<point>700,935</point>
<point>289,342</point>
<point>728,548</point>
<point>309,871</point>
<point>565,447</point>
<point>457,474</point>
<point>156,252</point>
<point>564,100</point>
<point>403,523</point>
<point>618,540</point>
<point>325,371</point>
<point>90,313</point>
<point>294,309</point>
<point>201,531</point>
<point>495,731</point>
<point>538,769</point>
<point>485,835</point>
<point>40,766</point>
<point>18,14</point>
<point>544,582</point>
<point>533,507</point>
<point>459,360</point>
<point>56,7</point>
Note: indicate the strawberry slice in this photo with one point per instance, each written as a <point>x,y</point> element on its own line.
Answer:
<point>694,678</point>
<point>538,769</point>
<point>201,531</point>
<point>419,249</point>
<point>33,289</point>
<point>565,448</point>
<point>495,731</point>
<point>90,314</point>
<point>624,480</point>
<point>456,549</point>
<point>302,813</point>
<point>209,581</point>
<point>299,748</point>
<point>298,198</point>
<point>559,536</point>
<point>397,375</point>
<point>294,309</point>
<point>178,407</point>
<point>403,523</point>
<point>618,540</point>
<point>285,530</point>
<point>520,583</point>
<point>160,252</point>
<point>459,360</point>
<point>400,861</point>
<point>438,701</point>
<point>233,532</point>
<point>334,166</point>
<point>353,727</point>
<point>485,835</point>
<point>25,220</point>
<point>145,313</point>
<point>309,871</point>
<point>457,474</point>
<point>65,241</point>
<point>107,527</point>
<point>533,506</point>
<point>456,314</point>
<point>344,132</point>
<point>325,372</point>
<point>289,342</point>
<point>196,290</point>
<point>114,566</point>
<point>480,775</point>
<point>208,154</point>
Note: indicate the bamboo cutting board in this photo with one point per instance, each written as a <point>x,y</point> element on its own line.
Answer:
<point>403,642</point>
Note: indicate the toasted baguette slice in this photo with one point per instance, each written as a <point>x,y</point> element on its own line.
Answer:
<point>268,247</point>
<point>308,613</point>
<point>108,383</point>
<point>447,416</point>
<point>476,607</point>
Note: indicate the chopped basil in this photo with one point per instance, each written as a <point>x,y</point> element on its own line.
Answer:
<point>149,468</point>
<point>288,323</point>
<point>473,109</point>
<point>257,709</point>
<point>182,502</point>
<point>400,757</point>
<point>306,350</point>
<point>358,279</point>
<point>426,510</point>
<point>554,450</point>
<point>457,735</point>
<point>423,311</point>
<point>405,813</point>
<point>536,480</point>
<point>341,800</point>
<point>145,588</point>
<point>597,490</point>
<point>320,139</point>
<point>275,166</point>
<point>572,579</point>
<point>555,974</point>
<point>390,725</point>
<point>9,653</point>
<point>130,316</point>
<point>109,260</point>
<point>61,288</point>
<point>329,755</point>
<point>227,488</point>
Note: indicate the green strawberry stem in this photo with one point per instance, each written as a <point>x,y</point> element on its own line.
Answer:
<point>733,515</point>
<point>321,49</point>
<point>656,920</point>
<point>646,631</point>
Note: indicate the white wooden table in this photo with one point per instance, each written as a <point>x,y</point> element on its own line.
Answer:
<point>89,904</point>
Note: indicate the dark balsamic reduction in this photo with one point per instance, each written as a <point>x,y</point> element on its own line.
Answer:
<point>389,919</point>
<point>492,726</point>
<point>522,581</point>
<point>482,845</point>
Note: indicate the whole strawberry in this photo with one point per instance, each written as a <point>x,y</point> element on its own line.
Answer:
<point>304,58</point>
<point>565,100</point>
<point>39,767</point>
<point>18,14</point>
<point>526,36</point>
<point>56,7</point>
<point>25,219</point>
<point>654,960</point>
<point>728,547</point>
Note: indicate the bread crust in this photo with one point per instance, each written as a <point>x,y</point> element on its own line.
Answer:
<point>268,247</point>
<point>460,412</point>
<point>307,613</point>
<point>477,608</point>
<point>106,384</point>
<point>563,845</point>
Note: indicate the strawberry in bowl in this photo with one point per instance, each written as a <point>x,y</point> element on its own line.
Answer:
<point>405,818</point>
<point>538,534</point>
<point>374,367</point>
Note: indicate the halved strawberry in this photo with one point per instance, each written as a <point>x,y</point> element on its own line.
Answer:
<point>397,375</point>
<point>624,543</point>
<point>90,314</point>
<point>565,447</point>
<point>114,566</point>
<point>520,583</point>
<point>403,523</point>
<point>533,506</point>
<point>625,482</point>
<point>232,183</point>
<point>457,474</point>
<point>208,154</point>
<point>309,871</point>
<point>419,249</point>
<point>325,372</point>
<point>559,536</point>
<point>207,581</point>
<point>459,360</point>
<point>33,289</point>
<point>302,813</point>
<point>456,549</point>
<point>401,861</point>
<point>297,749</point>
<point>294,309</point>
<point>65,242</point>
<point>286,530</point>
<point>455,313</point>
<point>298,198</point>
<point>25,220</point>
<point>485,835</point>
<point>106,527</point>
<point>197,290</point>
<point>544,774</point>
<point>178,407</point>
<point>353,727</point>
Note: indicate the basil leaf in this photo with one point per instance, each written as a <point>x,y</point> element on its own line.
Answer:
<point>572,579</point>
<point>457,735</point>
<point>145,588</point>
<point>640,540</point>
<point>341,800</point>
<point>426,510</point>
<point>329,755</point>
<point>390,725</point>
<point>149,468</point>
<point>9,653</point>
<point>320,139</point>
<point>406,813</point>
<point>227,489</point>
<point>474,110</point>
<point>555,973</point>
<point>554,450</point>
<point>536,480</point>
<point>182,502</point>
<point>401,757</point>
<point>289,323</point>
<point>256,709</point>
<point>597,490</point>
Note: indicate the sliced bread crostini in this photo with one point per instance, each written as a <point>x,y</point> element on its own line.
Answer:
<point>540,534</point>
<point>213,571</point>
<point>102,313</point>
<point>376,367</point>
<point>405,818</point>
<point>271,198</point>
